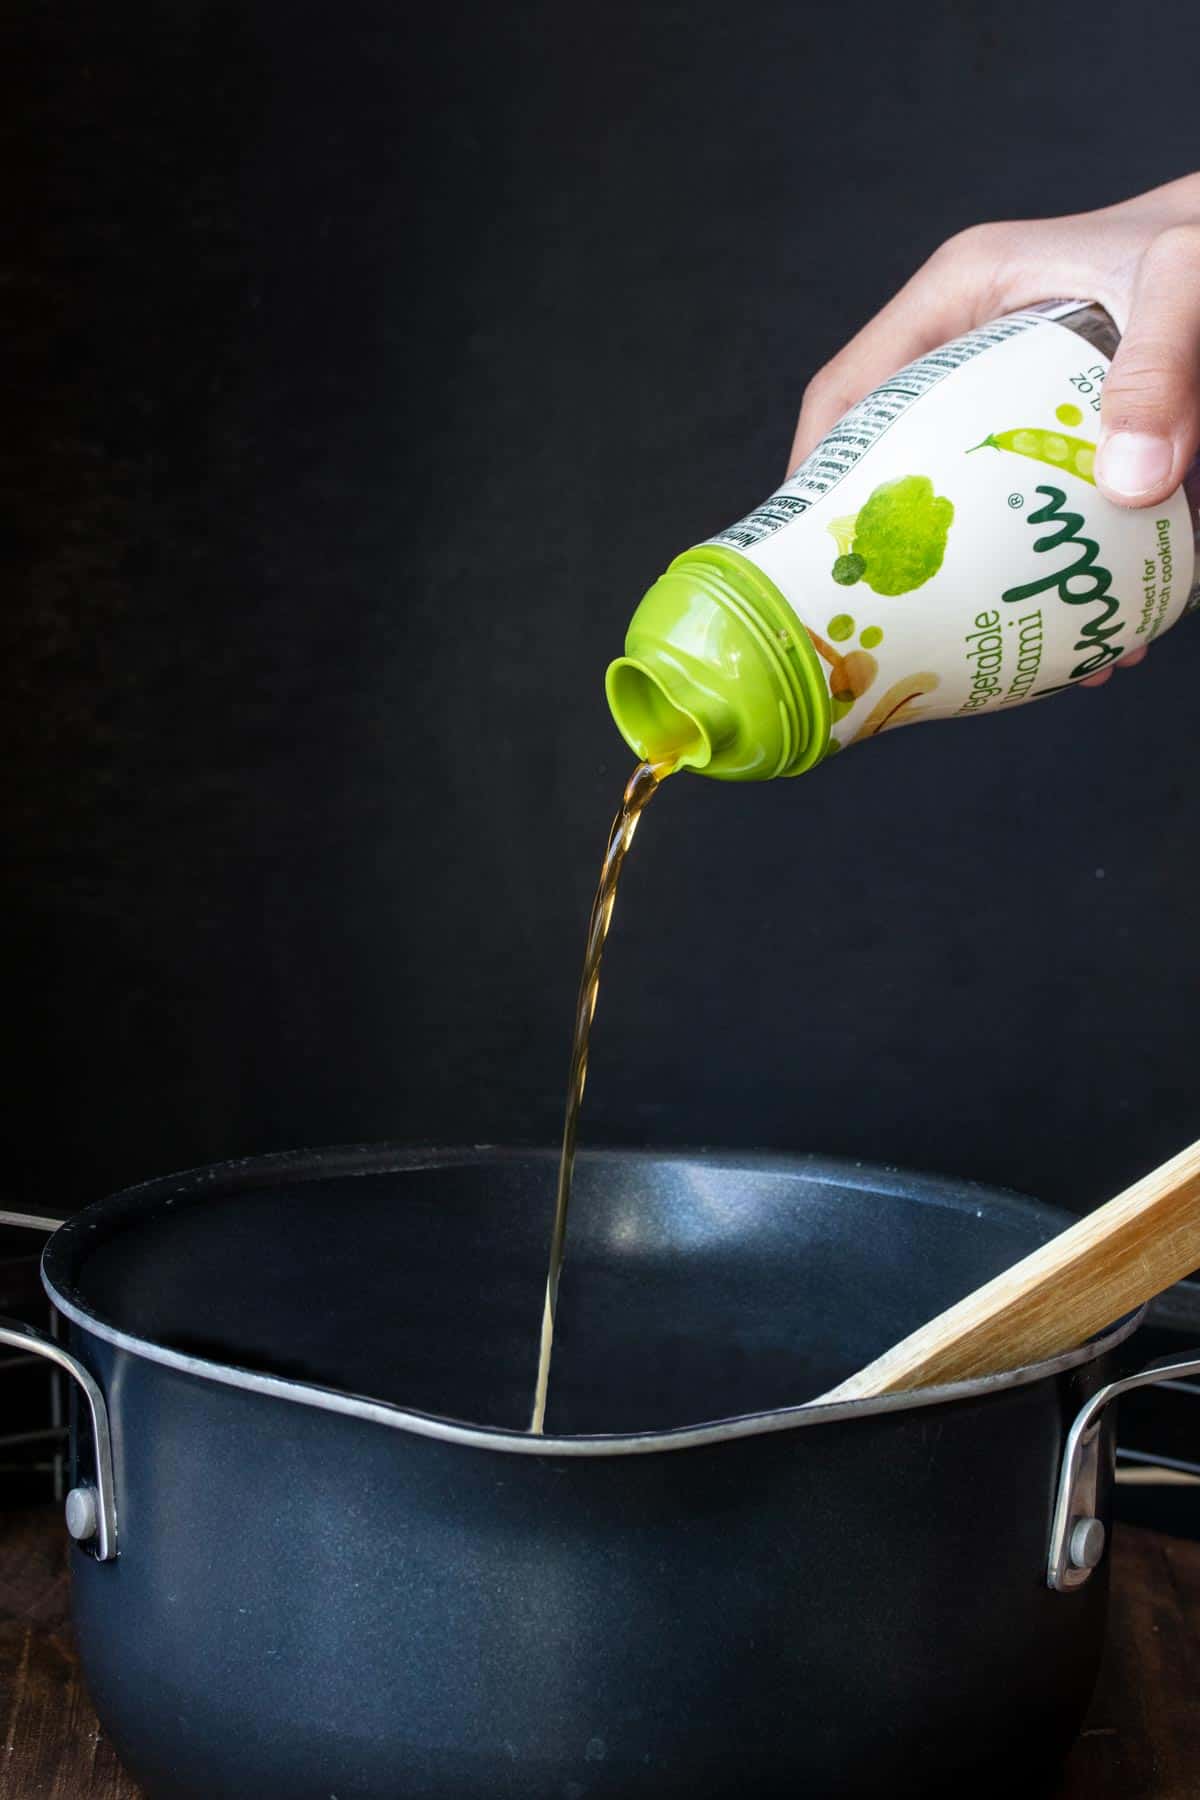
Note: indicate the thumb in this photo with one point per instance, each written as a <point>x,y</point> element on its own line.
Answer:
<point>1150,413</point>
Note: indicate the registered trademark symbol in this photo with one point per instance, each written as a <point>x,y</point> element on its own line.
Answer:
<point>1015,500</point>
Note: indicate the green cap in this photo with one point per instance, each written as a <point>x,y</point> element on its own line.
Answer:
<point>719,674</point>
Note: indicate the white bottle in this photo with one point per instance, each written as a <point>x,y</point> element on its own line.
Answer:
<point>943,553</point>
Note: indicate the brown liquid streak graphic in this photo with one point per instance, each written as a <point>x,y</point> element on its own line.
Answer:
<point>643,784</point>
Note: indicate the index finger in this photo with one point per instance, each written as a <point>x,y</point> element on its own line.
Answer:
<point>955,290</point>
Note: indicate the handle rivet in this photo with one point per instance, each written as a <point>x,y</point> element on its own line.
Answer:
<point>1088,1538</point>
<point>83,1517</point>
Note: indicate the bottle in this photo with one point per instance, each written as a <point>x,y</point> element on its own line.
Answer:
<point>944,552</point>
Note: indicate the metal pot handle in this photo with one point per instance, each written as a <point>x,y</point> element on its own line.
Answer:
<point>1076,1535</point>
<point>91,1510</point>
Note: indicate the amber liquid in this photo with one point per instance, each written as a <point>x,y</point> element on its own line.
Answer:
<point>643,784</point>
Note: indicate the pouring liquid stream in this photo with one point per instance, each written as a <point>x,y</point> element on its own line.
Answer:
<point>641,788</point>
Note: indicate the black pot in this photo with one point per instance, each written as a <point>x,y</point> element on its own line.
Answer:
<point>343,1568</point>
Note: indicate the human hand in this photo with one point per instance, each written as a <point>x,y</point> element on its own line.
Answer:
<point>1140,259</point>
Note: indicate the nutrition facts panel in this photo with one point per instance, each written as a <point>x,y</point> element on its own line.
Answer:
<point>863,426</point>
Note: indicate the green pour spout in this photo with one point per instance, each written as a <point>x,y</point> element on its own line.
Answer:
<point>719,675</point>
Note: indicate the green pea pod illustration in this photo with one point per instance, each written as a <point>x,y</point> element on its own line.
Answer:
<point>1052,447</point>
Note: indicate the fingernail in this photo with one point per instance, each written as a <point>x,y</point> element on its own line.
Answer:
<point>1132,463</point>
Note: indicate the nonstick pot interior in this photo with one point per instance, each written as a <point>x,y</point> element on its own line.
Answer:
<point>697,1287</point>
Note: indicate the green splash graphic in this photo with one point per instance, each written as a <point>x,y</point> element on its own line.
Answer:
<point>897,540</point>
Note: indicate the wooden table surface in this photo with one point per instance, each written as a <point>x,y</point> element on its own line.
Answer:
<point>1141,1740</point>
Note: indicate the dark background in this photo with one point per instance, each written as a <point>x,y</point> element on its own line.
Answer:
<point>361,367</point>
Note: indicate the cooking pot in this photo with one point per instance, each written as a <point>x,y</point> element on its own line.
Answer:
<point>319,1556</point>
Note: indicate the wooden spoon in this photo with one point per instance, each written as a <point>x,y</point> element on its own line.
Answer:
<point>1110,1263</point>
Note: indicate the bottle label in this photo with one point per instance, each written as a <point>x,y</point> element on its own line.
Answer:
<point>946,547</point>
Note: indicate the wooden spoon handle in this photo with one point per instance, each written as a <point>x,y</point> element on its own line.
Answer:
<point>1112,1261</point>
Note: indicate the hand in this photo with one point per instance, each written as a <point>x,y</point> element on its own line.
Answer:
<point>1140,259</point>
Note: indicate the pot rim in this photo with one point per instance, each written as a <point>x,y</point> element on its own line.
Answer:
<point>71,1238</point>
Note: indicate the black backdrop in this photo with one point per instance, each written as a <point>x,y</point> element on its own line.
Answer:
<point>362,365</point>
